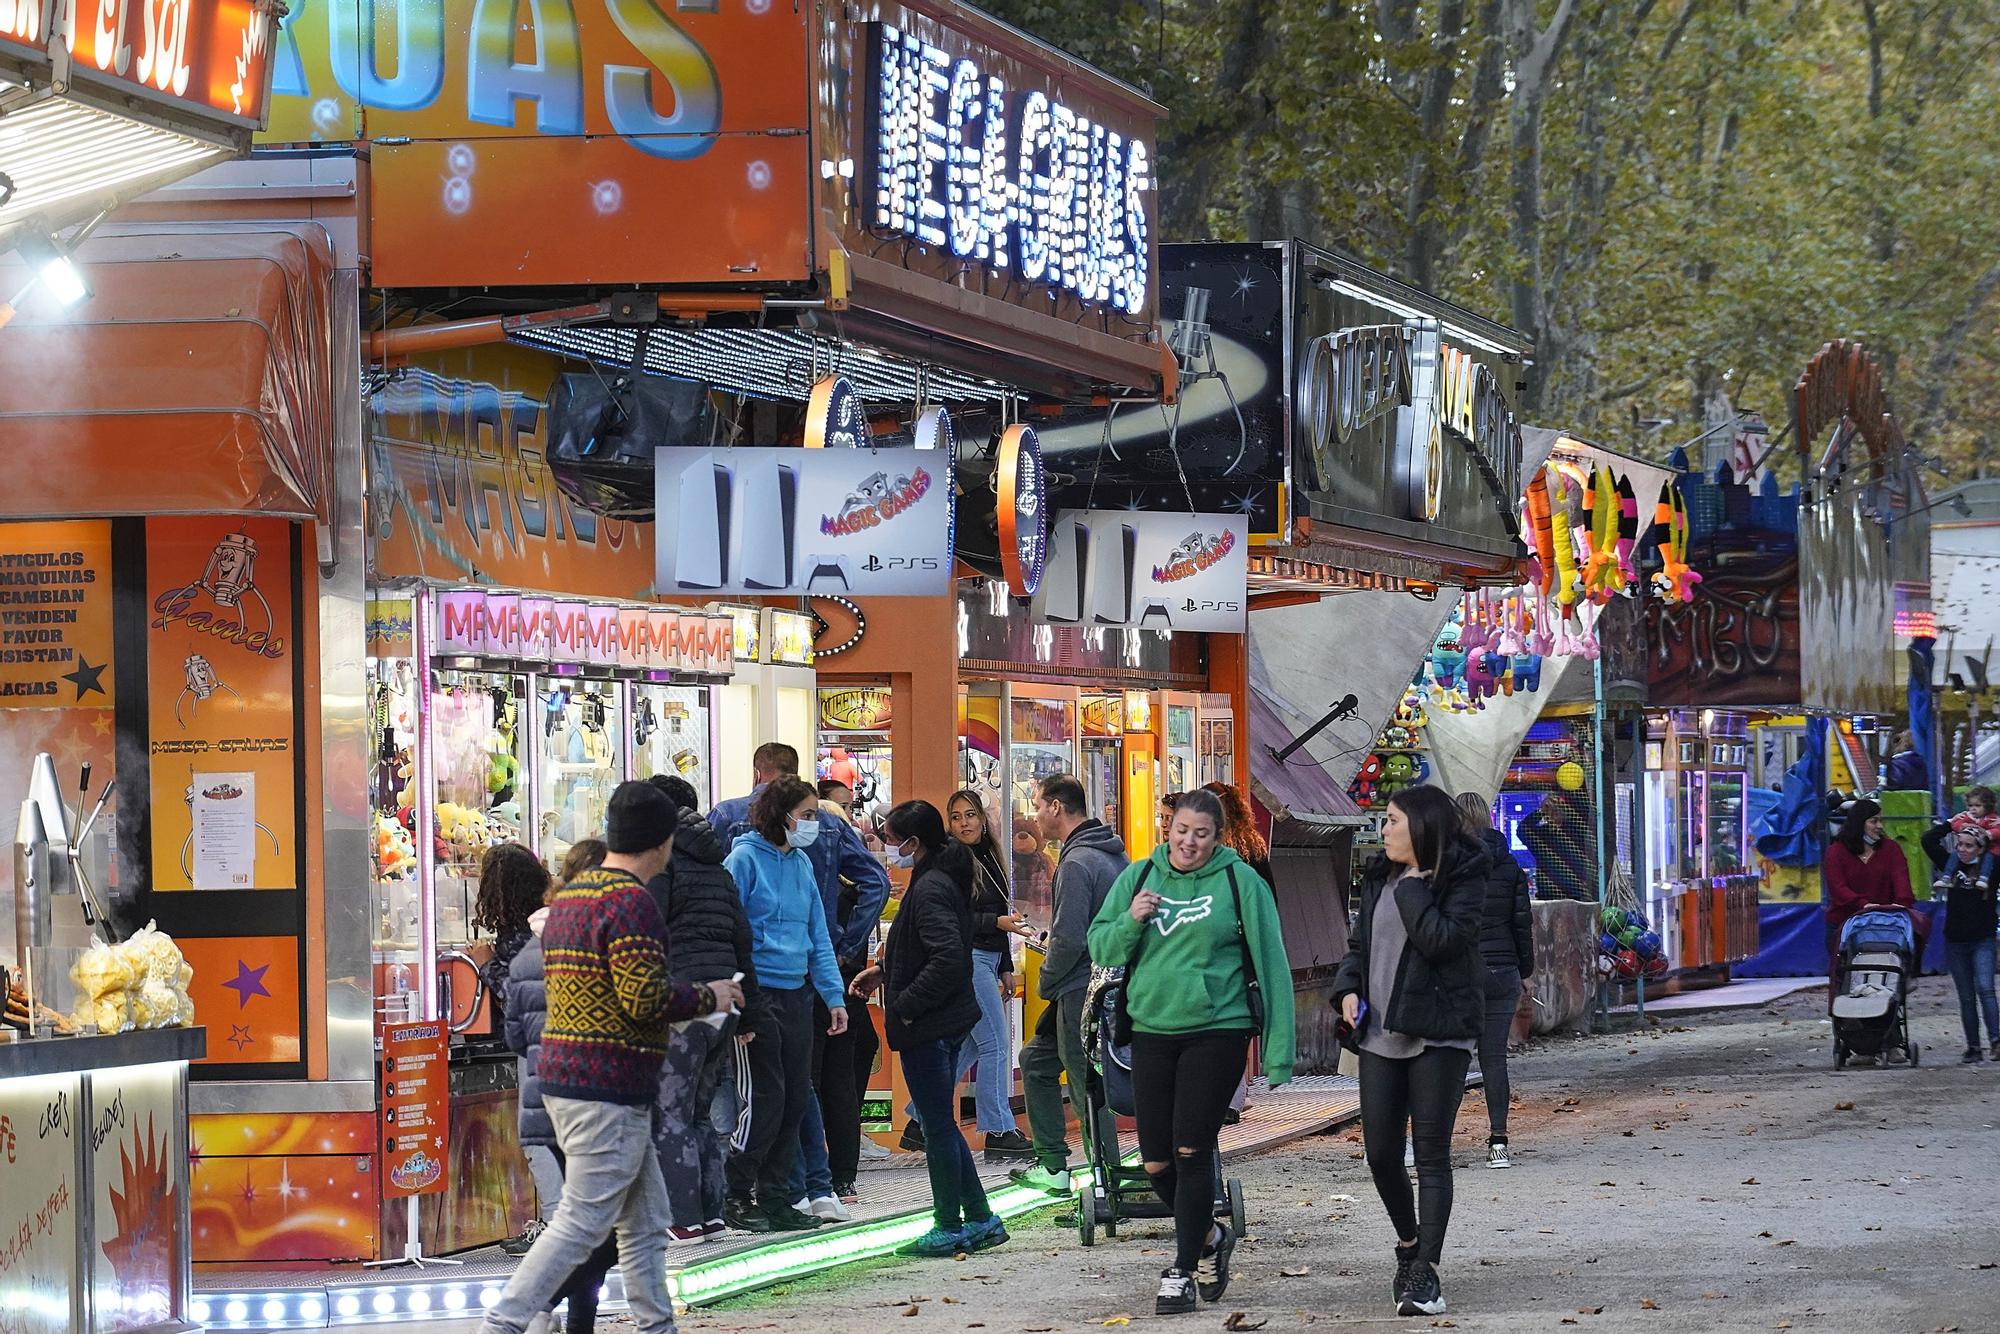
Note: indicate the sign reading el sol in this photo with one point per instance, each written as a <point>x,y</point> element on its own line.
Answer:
<point>212,54</point>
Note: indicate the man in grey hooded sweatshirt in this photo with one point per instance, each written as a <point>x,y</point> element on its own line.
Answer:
<point>1092,857</point>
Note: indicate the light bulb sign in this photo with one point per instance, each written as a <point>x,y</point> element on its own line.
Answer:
<point>1014,180</point>
<point>212,57</point>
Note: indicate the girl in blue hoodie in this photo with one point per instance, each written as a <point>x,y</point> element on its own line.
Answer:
<point>791,947</point>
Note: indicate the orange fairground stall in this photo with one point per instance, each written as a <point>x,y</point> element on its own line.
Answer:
<point>533,262</point>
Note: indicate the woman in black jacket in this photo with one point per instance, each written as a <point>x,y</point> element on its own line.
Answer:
<point>708,940</point>
<point>1413,989</point>
<point>994,924</point>
<point>928,1008</point>
<point>1507,944</point>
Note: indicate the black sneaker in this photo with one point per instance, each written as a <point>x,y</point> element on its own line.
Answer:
<point>1973,1056</point>
<point>785,1218</point>
<point>524,1243</point>
<point>1009,1146</point>
<point>1211,1272</point>
<point>1177,1295</point>
<point>1406,1259</point>
<point>745,1217</point>
<point>1422,1295</point>
<point>913,1137</point>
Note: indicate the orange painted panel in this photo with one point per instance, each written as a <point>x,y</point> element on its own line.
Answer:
<point>220,651</point>
<point>563,141</point>
<point>534,211</point>
<point>461,491</point>
<point>284,1207</point>
<point>55,615</point>
<point>246,993</point>
<point>261,1134</point>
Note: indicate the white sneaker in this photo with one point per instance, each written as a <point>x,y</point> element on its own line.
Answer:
<point>1497,1155</point>
<point>1409,1155</point>
<point>830,1208</point>
<point>871,1152</point>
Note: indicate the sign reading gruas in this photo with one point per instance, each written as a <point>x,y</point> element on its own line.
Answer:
<point>1152,571</point>
<point>759,520</point>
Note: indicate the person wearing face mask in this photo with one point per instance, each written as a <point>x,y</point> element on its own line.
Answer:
<point>1864,870</point>
<point>793,952</point>
<point>1197,933</point>
<point>928,1009</point>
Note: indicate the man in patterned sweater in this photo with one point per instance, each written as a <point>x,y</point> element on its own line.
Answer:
<point>610,1000</point>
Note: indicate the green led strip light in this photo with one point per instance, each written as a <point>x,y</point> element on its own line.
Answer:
<point>715,1280</point>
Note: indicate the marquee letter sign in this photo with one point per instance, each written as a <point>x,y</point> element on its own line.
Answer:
<point>1020,183</point>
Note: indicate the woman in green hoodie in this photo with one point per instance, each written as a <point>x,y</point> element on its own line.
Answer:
<point>1197,932</point>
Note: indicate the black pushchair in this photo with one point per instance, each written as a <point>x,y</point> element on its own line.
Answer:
<point>1118,1190</point>
<point>1871,986</point>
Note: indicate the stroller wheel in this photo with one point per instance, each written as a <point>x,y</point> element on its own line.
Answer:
<point>1916,1053</point>
<point>1839,1054</point>
<point>1086,1217</point>
<point>1235,1189</point>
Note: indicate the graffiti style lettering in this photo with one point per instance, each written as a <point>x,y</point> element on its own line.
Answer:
<point>357,67</point>
<point>628,89</point>
<point>553,81</point>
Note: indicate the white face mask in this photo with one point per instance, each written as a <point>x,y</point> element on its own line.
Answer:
<point>900,859</point>
<point>803,833</point>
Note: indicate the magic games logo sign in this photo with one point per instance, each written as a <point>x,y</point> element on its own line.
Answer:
<point>1197,552</point>
<point>876,501</point>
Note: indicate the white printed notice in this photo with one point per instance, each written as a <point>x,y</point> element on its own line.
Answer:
<point>225,831</point>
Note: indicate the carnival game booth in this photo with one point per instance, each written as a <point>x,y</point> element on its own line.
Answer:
<point>1823,567</point>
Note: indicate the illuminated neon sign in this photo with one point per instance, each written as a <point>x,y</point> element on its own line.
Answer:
<point>1018,182</point>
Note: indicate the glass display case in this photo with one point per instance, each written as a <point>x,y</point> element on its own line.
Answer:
<point>671,735</point>
<point>1103,743</point>
<point>853,748</point>
<point>1180,750</point>
<point>576,727</point>
<point>1042,740</point>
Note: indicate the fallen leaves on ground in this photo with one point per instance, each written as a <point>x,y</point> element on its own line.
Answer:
<point>1752,1181</point>
<point>1590,1310</point>
<point>1238,1321</point>
<point>1843,1107</point>
<point>1300,1272</point>
<point>1120,1319</point>
<point>1648,1304</point>
<point>1715,1296</point>
<point>910,1309</point>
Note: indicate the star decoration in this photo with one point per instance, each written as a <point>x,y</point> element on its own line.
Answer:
<point>239,1034</point>
<point>85,677</point>
<point>248,982</point>
<point>249,1191</point>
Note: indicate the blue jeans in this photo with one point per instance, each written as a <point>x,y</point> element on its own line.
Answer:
<point>1971,965</point>
<point>811,1176</point>
<point>990,1047</point>
<point>957,1198</point>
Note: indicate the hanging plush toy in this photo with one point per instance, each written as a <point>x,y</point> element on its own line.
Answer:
<point>1603,576</point>
<point>1628,532</point>
<point>1563,531</point>
<point>1543,564</point>
<point>1447,664</point>
<point>1674,581</point>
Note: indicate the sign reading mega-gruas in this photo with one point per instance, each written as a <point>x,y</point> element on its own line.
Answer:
<point>1315,389</point>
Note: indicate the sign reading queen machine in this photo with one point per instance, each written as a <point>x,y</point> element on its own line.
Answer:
<point>1014,180</point>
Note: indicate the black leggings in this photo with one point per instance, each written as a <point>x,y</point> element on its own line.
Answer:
<point>1182,1086</point>
<point>1422,1092</point>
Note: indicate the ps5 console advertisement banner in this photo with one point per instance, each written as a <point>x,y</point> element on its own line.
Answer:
<point>769,519</point>
<point>1151,571</point>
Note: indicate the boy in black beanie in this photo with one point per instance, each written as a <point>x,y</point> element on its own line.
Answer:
<point>610,1000</point>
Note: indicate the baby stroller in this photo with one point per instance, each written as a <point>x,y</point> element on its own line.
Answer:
<point>1878,956</point>
<point>1118,1190</point>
